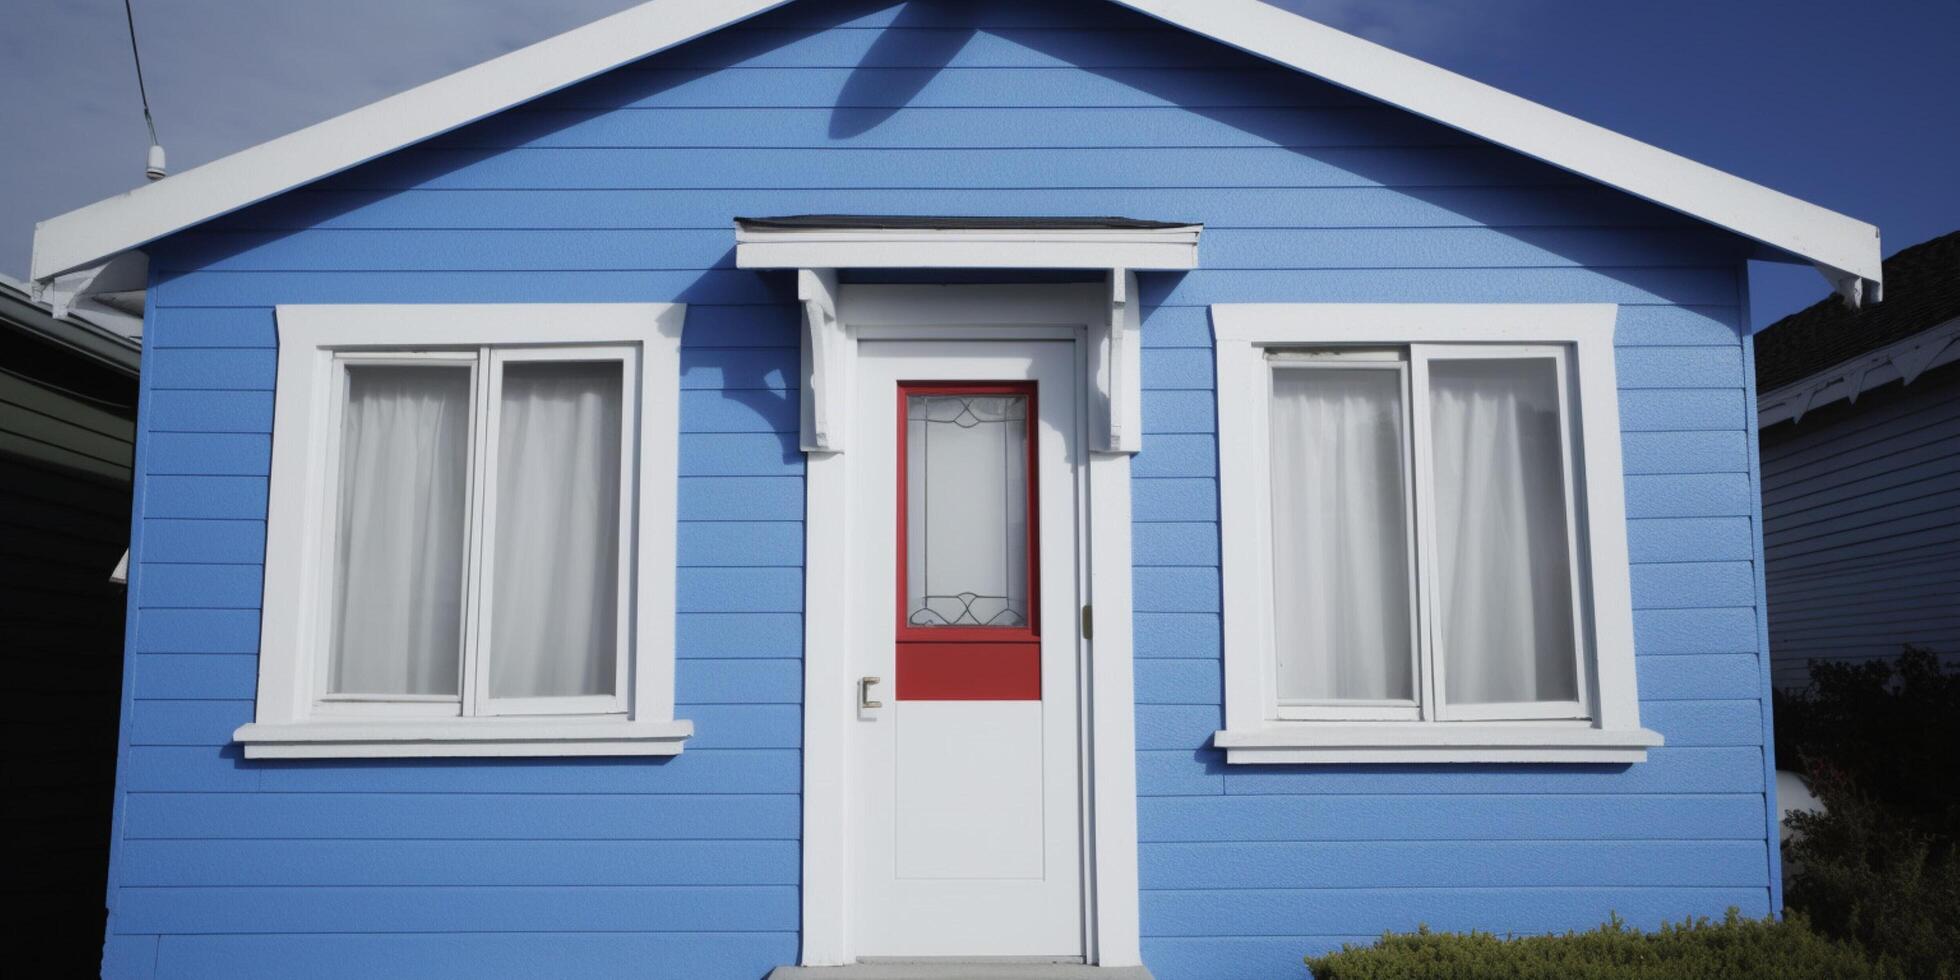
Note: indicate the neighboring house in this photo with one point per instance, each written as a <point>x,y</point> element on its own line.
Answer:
<point>1860,418</point>
<point>67,430</point>
<point>546,566</point>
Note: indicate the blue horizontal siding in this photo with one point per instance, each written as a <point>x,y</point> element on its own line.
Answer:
<point>197,631</point>
<point>734,498</point>
<point>622,189</point>
<point>207,496</point>
<point>1183,634</point>
<point>199,410</point>
<point>1671,769</point>
<point>205,454</point>
<point>690,249</point>
<point>185,768</point>
<point>1689,495</point>
<point>195,676</point>
<point>785,168</point>
<point>717,635</point>
<point>401,864</point>
<point>963,127</point>
<point>229,541</point>
<point>400,956</point>
<point>190,910</point>
<point>1686,452</point>
<point>1266,912</point>
<point>741,543</point>
<point>1666,631</point>
<point>1460,817</point>
<point>709,208</point>
<point>460,816</point>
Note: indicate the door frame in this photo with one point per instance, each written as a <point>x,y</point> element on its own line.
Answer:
<point>1064,312</point>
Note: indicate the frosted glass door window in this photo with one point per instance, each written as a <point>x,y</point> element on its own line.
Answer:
<point>399,555</point>
<point>1342,613</point>
<point>966,510</point>
<point>554,622</point>
<point>1503,553</point>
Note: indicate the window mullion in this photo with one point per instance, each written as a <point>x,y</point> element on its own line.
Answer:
<point>1422,503</point>
<point>482,426</point>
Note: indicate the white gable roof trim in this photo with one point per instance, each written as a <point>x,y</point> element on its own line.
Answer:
<point>1846,250</point>
<point>91,234</point>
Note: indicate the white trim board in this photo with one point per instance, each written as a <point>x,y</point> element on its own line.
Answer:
<point>1846,250</point>
<point>968,248</point>
<point>1903,361</point>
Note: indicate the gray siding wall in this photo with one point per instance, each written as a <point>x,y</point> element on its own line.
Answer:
<point>1861,527</point>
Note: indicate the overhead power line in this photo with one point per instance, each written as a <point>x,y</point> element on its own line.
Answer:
<point>155,168</point>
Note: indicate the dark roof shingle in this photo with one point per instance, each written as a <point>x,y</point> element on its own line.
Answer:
<point>1922,289</point>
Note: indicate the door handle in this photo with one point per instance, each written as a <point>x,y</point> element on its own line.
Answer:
<point>864,693</point>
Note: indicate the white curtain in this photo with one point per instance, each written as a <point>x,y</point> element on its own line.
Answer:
<point>966,504</point>
<point>1504,602</point>
<point>398,565</point>
<point>556,577</point>
<point>1340,536</point>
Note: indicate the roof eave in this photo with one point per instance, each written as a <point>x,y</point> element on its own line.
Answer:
<point>89,234</point>
<point>1816,234</point>
<point>1843,248</point>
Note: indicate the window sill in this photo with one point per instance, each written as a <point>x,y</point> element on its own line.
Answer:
<point>476,737</point>
<point>1395,742</point>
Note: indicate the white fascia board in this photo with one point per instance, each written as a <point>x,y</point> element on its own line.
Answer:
<point>1697,190</point>
<point>956,248</point>
<point>88,235</point>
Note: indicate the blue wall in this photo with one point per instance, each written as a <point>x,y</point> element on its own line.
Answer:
<point>622,189</point>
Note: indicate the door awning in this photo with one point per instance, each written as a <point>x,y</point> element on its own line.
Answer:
<point>829,241</point>
<point>817,246</point>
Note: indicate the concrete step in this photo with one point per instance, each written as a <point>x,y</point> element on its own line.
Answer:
<point>957,970</point>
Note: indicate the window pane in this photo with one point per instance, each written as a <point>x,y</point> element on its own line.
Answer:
<point>554,624</point>
<point>966,510</point>
<point>1504,602</point>
<point>1340,536</point>
<point>398,556</point>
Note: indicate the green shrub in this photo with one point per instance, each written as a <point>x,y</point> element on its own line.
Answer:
<point>1880,867</point>
<point>1734,949</point>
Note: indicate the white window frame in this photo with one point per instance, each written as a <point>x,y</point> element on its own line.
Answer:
<point>1254,340</point>
<point>1342,709</point>
<point>295,717</point>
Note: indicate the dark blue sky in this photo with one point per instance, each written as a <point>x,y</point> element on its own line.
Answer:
<point>1851,105</point>
<point>1848,104</point>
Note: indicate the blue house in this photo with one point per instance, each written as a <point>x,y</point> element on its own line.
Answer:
<point>709,493</point>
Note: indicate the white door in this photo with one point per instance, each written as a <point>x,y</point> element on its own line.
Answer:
<point>965,790</point>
